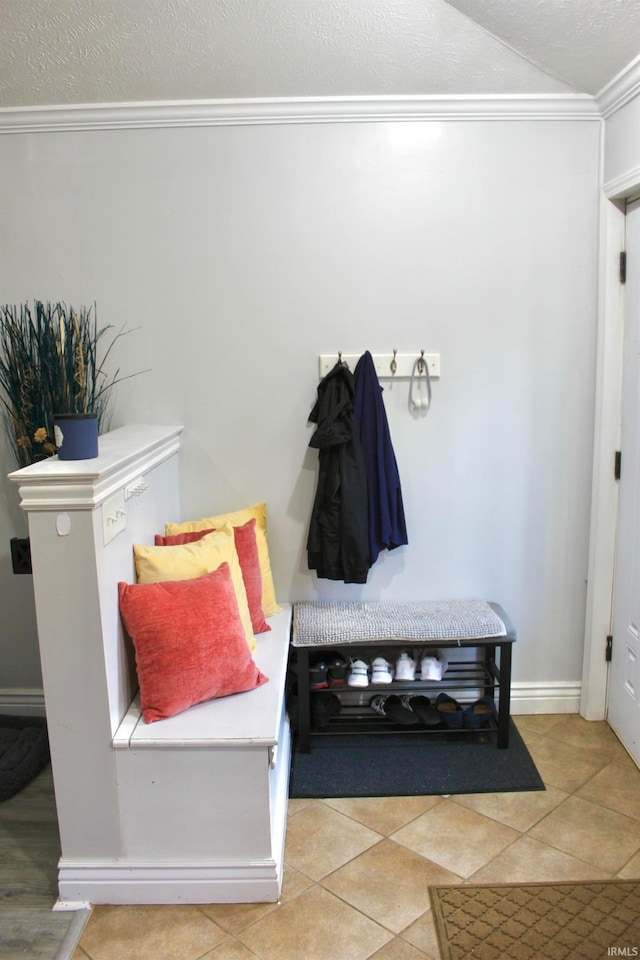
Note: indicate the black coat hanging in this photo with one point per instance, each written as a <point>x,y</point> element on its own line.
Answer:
<point>338,541</point>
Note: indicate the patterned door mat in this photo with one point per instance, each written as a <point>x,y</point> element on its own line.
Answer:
<point>555,921</point>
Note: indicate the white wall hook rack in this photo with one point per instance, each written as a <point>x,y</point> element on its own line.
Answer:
<point>382,362</point>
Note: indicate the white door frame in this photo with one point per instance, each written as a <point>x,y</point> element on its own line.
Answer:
<point>608,414</point>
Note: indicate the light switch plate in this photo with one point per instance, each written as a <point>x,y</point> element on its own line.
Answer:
<point>114,517</point>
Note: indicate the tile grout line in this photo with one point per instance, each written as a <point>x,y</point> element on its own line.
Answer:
<point>387,836</point>
<point>233,938</point>
<point>592,803</point>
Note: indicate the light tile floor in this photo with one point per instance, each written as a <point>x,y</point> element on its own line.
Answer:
<point>358,871</point>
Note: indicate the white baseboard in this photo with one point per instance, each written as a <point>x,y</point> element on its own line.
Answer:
<point>546,697</point>
<point>70,906</point>
<point>553,697</point>
<point>22,701</point>
<point>136,882</point>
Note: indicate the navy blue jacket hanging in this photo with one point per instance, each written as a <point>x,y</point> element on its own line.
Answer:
<point>338,541</point>
<point>387,528</point>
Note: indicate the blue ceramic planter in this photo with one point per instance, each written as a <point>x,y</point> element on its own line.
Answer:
<point>76,435</point>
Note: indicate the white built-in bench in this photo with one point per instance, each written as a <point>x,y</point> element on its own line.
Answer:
<point>191,809</point>
<point>204,794</point>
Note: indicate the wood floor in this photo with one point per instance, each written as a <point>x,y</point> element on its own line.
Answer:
<point>29,853</point>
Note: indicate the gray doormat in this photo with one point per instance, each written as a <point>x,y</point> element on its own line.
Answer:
<point>404,765</point>
<point>24,751</point>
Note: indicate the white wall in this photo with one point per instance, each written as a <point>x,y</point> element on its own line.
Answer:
<point>19,660</point>
<point>243,252</point>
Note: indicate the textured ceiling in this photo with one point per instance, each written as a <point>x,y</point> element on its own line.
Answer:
<point>56,52</point>
<point>584,42</point>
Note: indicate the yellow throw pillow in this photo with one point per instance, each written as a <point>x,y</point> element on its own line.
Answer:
<point>237,518</point>
<point>191,560</point>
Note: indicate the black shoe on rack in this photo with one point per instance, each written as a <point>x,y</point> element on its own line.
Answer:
<point>425,711</point>
<point>393,709</point>
<point>318,672</point>
<point>324,706</point>
<point>337,670</point>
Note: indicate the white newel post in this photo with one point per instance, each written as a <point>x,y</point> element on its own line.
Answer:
<point>87,676</point>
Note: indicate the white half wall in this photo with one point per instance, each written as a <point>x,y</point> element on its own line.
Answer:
<point>241,253</point>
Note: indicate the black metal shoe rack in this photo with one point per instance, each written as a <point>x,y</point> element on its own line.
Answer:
<point>486,673</point>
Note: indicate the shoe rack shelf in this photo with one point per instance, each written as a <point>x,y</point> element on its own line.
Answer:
<point>466,681</point>
<point>486,673</point>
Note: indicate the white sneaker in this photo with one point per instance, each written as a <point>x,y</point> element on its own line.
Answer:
<point>405,667</point>
<point>358,675</point>
<point>381,671</point>
<point>433,668</point>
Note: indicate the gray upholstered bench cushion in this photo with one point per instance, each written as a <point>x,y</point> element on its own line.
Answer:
<point>318,622</point>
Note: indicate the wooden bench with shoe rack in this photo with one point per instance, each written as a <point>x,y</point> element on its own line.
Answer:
<point>471,694</point>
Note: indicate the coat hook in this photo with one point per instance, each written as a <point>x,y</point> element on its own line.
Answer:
<point>421,362</point>
<point>393,364</point>
<point>339,356</point>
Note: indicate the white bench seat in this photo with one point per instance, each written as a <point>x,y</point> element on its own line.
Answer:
<point>203,797</point>
<point>252,718</point>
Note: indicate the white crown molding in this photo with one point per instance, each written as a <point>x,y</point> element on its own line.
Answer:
<point>623,88</point>
<point>206,113</point>
<point>623,186</point>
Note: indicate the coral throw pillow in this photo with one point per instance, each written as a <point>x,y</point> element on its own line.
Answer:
<point>189,560</point>
<point>189,642</point>
<point>247,550</point>
<point>237,518</point>
<point>181,538</point>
